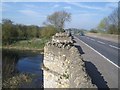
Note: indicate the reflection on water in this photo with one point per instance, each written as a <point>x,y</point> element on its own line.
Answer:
<point>18,61</point>
<point>30,64</point>
<point>9,60</point>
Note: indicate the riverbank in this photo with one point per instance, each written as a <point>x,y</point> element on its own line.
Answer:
<point>35,43</point>
<point>12,77</point>
<point>32,45</point>
<point>13,53</point>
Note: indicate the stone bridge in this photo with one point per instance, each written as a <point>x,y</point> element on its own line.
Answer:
<point>63,65</point>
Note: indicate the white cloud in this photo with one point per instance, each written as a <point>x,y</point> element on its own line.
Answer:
<point>84,6</point>
<point>67,7</point>
<point>56,5</point>
<point>30,13</point>
<point>111,5</point>
<point>86,14</point>
<point>31,6</point>
<point>108,7</point>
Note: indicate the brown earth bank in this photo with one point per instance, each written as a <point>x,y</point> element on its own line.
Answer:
<point>109,37</point>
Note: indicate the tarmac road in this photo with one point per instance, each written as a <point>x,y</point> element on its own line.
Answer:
<point>101,60</point>
<point>104,47</point>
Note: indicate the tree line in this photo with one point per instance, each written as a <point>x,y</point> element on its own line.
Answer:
<point>14,32</point>
<point>109,24</point>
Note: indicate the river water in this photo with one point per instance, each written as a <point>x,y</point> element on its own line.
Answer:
<point>31,65</point>
<point>22,61</point>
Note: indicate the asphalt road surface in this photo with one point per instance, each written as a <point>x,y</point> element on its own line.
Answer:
<point>106,48</point>
<point>101,60</point>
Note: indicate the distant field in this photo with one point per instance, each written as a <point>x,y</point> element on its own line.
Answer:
<point>109,37</point>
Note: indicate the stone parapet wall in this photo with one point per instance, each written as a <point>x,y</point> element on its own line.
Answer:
<point>62,38</point>
<point>63,65</point>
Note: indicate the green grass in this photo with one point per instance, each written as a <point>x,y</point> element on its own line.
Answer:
<point>32,44</point>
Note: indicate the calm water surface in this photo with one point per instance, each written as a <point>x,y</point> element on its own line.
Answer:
<point>32,65</point>
<point>23,62</point>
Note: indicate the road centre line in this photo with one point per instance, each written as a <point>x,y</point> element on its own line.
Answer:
<point>93,39</point>
<point>101,42</point>
<point>114,46</point>
<point>99,53</point>
<point>88,38</point>
<point>104,43</point>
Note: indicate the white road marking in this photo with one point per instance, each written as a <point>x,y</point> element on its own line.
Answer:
<point>88,38</point>
<point>114,46</point>
<point>99,53</point>
<point>101,42</point>
<point>93,39</point>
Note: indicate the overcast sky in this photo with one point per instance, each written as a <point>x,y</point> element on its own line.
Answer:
<point>85,15</point>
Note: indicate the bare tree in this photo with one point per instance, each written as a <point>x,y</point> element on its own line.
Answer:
<point>103,25</point>
<point>110,23</point>
<point>113,18</point>
<point>58,19</point>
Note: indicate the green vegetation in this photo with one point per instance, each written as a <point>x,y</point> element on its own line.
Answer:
<point>76,31</point>
<point>11,77</point>
<point>58,19</point>
<point>32,36</point>
<point>32,44</point>
<point>20,40</point>
<point>109,24</point>
<point>17,80</point>
<point>15,32</point>
<point>93,31</point>
<point>9,62</point>
<point>25,37</point>
<point>48,31</point>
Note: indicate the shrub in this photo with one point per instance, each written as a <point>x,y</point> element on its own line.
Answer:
<point>48,31</point>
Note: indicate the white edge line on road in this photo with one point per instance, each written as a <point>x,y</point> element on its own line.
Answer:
<point>101,42</point>
<point>99,53</point>
<point>114,46</point>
